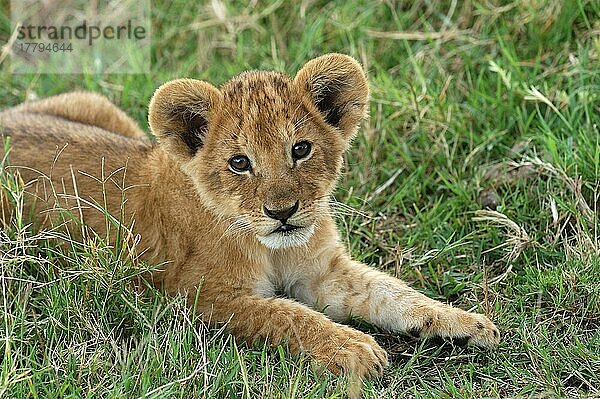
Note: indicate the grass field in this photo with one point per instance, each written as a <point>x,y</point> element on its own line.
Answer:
<point>476,178</point>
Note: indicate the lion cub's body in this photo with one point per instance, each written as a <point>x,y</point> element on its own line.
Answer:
<point>210,220</point>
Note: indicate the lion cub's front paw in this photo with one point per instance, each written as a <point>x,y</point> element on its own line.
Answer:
<point>350,351</point>
<point>482,332</point>
<point>457,325</point>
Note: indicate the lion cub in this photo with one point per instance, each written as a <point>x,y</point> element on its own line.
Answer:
<point>234,199</point>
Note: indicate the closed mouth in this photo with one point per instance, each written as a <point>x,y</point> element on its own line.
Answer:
<point>286,228</point>
<point>287,236</point>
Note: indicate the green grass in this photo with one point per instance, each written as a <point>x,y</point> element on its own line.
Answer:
<point>502,108</point>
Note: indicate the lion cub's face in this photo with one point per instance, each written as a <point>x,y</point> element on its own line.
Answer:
<point>264,151</point>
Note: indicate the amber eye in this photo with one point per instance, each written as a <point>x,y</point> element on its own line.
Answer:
<point>301,150</point>
<point>240,163</point>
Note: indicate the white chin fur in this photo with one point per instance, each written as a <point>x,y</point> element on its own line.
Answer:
<point>294,238</point>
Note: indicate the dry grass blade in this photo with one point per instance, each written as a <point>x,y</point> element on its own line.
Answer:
<point>517,238</point>
<point>8,46</point>
<point>419,36</point>
<point>574,185</point>
<point>533,94</point>
<point>385,185</point>
<point>506,172</point>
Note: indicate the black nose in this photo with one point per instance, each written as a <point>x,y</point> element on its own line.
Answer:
<point>283,214</point>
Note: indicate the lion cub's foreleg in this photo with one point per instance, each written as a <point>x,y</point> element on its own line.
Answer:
<point>349,288</point>
<point>337,347</point>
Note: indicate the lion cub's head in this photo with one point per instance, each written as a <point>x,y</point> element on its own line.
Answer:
<point>264,150</point>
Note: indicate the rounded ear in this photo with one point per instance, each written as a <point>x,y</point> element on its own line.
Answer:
<point>180,113</point>
<point>339,89</point>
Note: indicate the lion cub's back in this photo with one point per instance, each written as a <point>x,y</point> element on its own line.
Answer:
<point>59,160</point>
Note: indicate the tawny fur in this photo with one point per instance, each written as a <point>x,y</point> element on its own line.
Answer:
<point>206,221</point>
<point>87,108</point>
